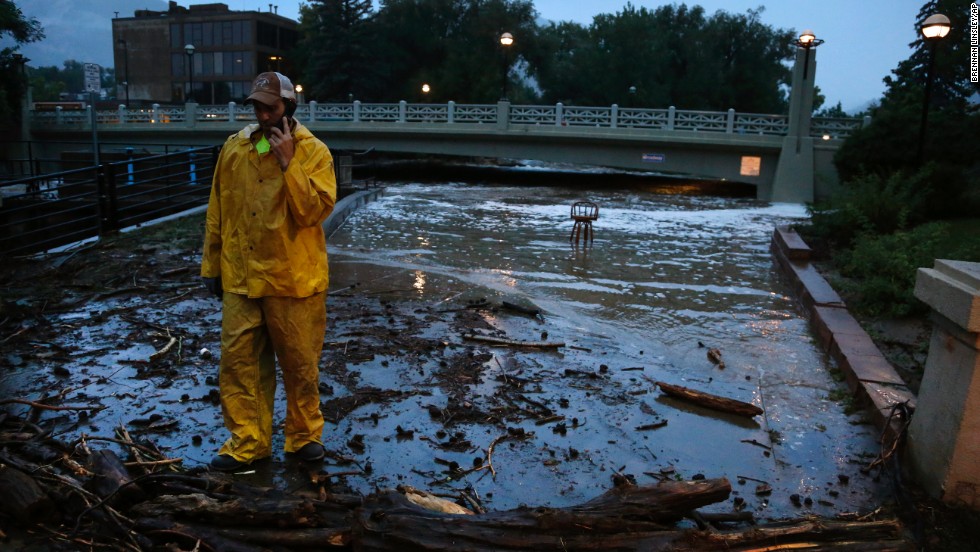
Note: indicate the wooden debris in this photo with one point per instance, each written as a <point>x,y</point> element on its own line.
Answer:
<point>656,425</point>
<point>714,355</point>
<point>625,518</point>
<point>708,400</point>
<point>116,510</point>
<point>432,502</point>
<point>513,343</point>
<point>112,478</point>
<point>519,309</point>
<point>166,348</point>
<point>23,499</point>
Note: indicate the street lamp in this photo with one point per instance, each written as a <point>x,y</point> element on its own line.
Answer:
<point>934,28</point>
<point>632,91</point>
<point>126,73</point>
<point>189,50</point>
<point>506,41</point>
<point>299,93</point>
<point>425,91</point>
<point>807,41</point>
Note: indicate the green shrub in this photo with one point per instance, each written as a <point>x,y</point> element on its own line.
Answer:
<point>871,204</point>
<point>881,269</point>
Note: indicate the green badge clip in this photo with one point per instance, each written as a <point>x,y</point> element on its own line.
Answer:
<point>262,146</point>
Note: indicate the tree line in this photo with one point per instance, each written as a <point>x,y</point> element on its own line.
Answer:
<point>385,51</point>
<point>670,55</point>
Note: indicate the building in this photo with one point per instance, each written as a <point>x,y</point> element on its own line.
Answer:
<point>229,48</point>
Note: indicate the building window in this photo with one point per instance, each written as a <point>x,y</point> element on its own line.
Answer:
<point>175,36</point>
<point>268,35</point>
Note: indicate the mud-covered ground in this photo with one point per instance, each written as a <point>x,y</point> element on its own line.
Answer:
<point>121,337</point>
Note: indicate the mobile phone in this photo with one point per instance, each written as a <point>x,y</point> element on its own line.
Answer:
<point>281,124</point>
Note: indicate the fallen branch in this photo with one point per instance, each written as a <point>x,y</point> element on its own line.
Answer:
<point>166,349</point>
<point>513,343</point>
<point>708,400</point>
<point>42,406</point>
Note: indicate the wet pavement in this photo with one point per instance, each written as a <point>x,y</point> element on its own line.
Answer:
<point>410,401</point>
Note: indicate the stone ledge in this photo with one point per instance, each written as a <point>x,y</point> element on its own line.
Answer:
<point>808,283</point>
<point>870,377</point>
<point>791,243</point>
<point>343,209</point>
<point>951,289</point>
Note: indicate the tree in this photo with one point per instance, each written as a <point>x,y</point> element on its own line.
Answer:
<point>12,82</point>
<point>890,142</point>
<point>337,49</point>
<point>673,55</point>
<point>50,82</point>
<point>453,45</point>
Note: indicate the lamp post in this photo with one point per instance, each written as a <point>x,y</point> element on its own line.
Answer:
<point>425,92</point>
<point>126,71</point>
<point>632,91</point>
<point>299,94</point>
<point>934,28</point>
<point>807,41</point>
<point>25,104</point>
<point>506,41</point>
<point>189,50</point>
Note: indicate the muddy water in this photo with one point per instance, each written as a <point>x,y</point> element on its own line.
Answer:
<point>669,276</point>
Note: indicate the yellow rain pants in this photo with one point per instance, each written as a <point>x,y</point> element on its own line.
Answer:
<point>254,334</point>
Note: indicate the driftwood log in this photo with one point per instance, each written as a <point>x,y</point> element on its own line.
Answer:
<point>23,498</point>
<point>109,508</point>
<point>708,400</point>
<point>624,518</point>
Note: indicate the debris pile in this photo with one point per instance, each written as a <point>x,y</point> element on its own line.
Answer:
<point>77,495</point>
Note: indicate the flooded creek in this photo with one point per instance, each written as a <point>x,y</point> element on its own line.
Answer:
<point>668,277</point>
<point>411,399</point>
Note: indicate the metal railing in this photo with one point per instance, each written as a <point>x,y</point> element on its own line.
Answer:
<point>43,212</point>
<point>501,114</point>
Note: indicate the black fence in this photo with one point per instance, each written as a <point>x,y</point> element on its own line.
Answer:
<point>51,210</point>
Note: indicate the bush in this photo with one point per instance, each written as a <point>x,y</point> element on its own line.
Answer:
<point>870,204</point>
<point>882,269</point>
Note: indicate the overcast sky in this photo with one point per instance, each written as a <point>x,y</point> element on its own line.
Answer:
<point>865,39</point>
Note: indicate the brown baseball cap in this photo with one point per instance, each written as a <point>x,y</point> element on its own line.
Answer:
<point>271,86</point>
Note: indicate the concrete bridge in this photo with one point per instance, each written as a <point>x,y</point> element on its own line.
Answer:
<point>787,157</point>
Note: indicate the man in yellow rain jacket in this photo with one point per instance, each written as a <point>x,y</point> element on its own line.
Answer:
<point>265,256</point>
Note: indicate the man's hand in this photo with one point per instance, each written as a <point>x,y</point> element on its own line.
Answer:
<point>282,144</point>
<point>214,286</point>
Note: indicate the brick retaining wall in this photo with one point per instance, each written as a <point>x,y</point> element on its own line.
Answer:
<point>871,378</point>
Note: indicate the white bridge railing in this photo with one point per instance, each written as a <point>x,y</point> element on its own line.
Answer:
<point>501,115</point>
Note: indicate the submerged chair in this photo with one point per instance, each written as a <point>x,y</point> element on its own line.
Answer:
<point>583,213</point>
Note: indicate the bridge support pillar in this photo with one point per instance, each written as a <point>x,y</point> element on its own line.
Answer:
<point>793,182</point>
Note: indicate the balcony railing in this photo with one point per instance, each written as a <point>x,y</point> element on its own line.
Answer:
<point>502,115</point>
